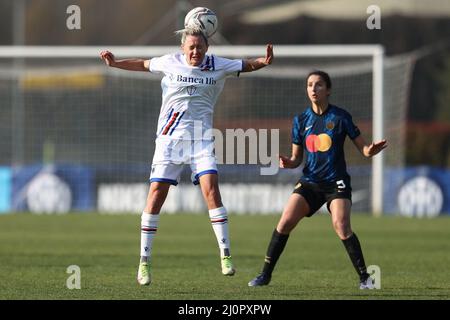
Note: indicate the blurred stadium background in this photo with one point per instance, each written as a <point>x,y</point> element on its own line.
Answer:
<point>77,137</point>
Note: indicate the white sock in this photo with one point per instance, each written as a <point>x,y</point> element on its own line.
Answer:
<point>219,222</point>
<point>149,226</point>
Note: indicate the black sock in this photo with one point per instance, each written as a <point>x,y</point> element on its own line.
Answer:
<point>354,251</point>
<point>276,246</point>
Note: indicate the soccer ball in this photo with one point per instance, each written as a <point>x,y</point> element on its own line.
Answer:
<point>202,18</point>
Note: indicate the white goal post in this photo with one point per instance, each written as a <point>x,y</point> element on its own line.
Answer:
<point>373,52</point>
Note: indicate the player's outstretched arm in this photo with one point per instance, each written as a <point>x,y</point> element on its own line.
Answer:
<point>295,160</point>
<point>256,64</point>
<point>369,150</point>
<point>126,64</point>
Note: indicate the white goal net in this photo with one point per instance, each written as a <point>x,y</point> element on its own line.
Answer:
<point>68,120</point>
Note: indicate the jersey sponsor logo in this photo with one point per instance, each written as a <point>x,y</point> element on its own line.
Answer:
<point>196,80</point>
<point>316,143</point>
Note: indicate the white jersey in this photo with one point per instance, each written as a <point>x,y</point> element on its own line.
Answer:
<point>189,94</point>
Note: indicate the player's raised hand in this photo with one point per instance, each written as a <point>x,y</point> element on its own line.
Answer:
<point>286,162</point>
<point>108,57</point>
<point>269,54</point>
<point>375,147</point>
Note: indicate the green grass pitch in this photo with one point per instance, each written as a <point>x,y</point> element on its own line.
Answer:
<point>35,251</point>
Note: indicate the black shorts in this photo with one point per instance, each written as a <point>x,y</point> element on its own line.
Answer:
<point>316,194</point>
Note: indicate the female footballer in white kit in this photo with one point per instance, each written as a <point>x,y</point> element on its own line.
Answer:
<point>191,84</point>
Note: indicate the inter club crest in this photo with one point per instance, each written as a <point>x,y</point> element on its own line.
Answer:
<point>330,125</point>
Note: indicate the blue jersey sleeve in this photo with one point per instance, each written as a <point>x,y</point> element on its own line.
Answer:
<point>351,129</point>
<point>296,138</point>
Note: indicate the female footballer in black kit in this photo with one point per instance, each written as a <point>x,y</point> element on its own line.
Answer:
<point>319,134</point>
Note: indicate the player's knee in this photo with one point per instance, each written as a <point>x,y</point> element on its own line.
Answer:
<point>157,196</point>
<point>212,196</point>
<point>284,229</point>
<point>154,205</point>
<point>342,228</point>
<point>287,225</point>
<point>156,199</point>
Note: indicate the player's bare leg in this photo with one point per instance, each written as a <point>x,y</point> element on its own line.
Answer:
<point>157,194</point>
<point>149,226</point>
<point>296,209</point>
<point>219,219</point>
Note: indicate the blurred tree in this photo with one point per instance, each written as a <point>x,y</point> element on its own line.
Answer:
<point>428,144</point>
<point>147,22</point>
<point>443,91</point>
<point>426,88</point>
<point>112,22</point>
<point>6,37</point>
